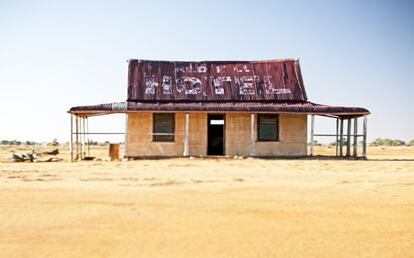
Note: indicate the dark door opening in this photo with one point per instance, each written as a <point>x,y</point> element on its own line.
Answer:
<point>215,132</point>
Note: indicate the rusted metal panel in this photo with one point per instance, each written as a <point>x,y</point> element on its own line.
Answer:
<point>252,106</point>
<point>275,80</point>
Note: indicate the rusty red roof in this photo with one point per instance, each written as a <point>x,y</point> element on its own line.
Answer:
<point>217,86</point>
<point>272,80</point>
<point>280,107</point>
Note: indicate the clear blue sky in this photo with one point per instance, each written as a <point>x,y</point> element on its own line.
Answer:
<point>58,54</point>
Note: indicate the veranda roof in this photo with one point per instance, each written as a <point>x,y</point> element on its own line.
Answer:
<point>220,107</point>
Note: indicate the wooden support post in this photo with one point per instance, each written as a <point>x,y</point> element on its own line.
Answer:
<point>355,153</point>
<point>126,137</point>
<point>71,138</point>
<point>341,137</point>
<point>312,132</point>
<point>81,135</point>
<point>77,137</point>
<point>364,139</point>
<point>348,138</point>
<point>84,137</point>
<point>252,147</point>
<point>87,138</point>
<point>187,127</point>
<point>336,137</point>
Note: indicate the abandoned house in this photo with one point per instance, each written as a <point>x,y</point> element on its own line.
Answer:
<point>231,108</point>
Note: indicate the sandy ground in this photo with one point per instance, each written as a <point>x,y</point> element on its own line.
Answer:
<point>209,207</point>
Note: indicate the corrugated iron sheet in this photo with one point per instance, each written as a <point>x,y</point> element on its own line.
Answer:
<point>274,80</point>
<point>280,107</point>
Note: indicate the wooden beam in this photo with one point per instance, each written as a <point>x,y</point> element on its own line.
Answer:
<point>336,137</point>
<point>187,126</point>
<point>126,136</point>
<point>71,138</point>
<point>364,139</point>
<point>87,136</point>
<point>77,137</point>
<point>348,138</point>
<point>83,137</point>
<point>355,153</point>
<point>252,147</point>
<point>312,132</point>
<point>341,137</point>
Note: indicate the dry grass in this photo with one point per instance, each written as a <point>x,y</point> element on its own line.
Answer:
<point>209,207</point>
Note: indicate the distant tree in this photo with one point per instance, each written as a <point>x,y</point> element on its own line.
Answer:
<point>387,142</point>
<point>411,143</point>
<point>53,143</point>
<point>15,142</point>
<point>315,143</point>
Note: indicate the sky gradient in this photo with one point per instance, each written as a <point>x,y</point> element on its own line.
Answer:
<point>59,54</point>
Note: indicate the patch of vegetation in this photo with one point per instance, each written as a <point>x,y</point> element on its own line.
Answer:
<point>53,143</point>
<point>411,143</point>
<point>387,142</point>
<point>315,143</point>
<point>14,142</point>
<point>344,142</point>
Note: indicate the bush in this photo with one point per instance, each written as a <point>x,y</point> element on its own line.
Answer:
<point>387,142</point>
<point>53,143</point>
<point>315,143</point>
<point>14,142</point>
<point>411,143</point>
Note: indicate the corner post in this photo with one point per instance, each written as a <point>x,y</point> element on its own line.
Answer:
<point>348,138</point>
<point>87,137</point>
<point>126,137</point>
<point>355,153</point>
<point>71,138</point>
<point>187,126</point>
<point>252,147</point>
<point>83,138</point>
<point>77,136</point>
<point>341,137</point>
<point>336,137</point>
<point>312,132</point>
<point>364,138</point>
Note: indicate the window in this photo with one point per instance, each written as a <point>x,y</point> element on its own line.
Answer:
<point>163,127</point>
<point>267,127</point>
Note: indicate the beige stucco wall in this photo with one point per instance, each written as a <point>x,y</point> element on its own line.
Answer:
<point>139,136</point>
<point>237,137</point>
<point>292,136</point>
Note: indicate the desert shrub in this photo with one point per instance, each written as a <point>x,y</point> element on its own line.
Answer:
<point>14,142</point>
<point>344,142</point>
<point>411,143</point>
<point>315,143</point>
<point>104,143</point>
<point>387,142</point>
<point>53,143</point>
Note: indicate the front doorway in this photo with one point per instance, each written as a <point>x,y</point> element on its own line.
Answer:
<point>215,133</point>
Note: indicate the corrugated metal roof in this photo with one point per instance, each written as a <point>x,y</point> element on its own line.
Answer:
<point>272,80</point>
<point>217,86</point>
<point>280,107</point>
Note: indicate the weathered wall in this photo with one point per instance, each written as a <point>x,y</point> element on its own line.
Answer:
<point>139,135</point>
<point>292,136</point>
<point>293,131</point>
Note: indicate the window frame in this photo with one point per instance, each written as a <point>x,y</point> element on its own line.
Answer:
<point>154,133</point>
<point>259,117</point>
